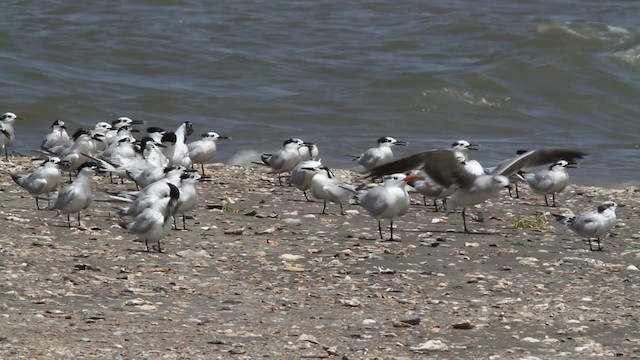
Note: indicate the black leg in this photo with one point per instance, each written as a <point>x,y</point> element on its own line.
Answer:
<point>79,225</point>
<point>37,205</point>
<point>590,247</point>
<point>380,229</point>
<point>202,169</point>
<point>464,220</point>
<point>175,225</point>
<point>146,243</point>
<point>546,202</point>
<point>6,154</point>
<point>306,196</point>
<point>341,211</point>
<point>159,248</point>
<point>517,192</point>
<point>553,196</point>
<point>184,222</point>
<point>599,247</point>
<point>69,220</point>
<point>509,189</point>
<point>391,230</point>
<point>435,205</point>
<point>324,206</point>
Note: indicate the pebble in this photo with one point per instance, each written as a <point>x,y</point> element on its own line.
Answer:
<point>430,345</point>
<point>292,221</point>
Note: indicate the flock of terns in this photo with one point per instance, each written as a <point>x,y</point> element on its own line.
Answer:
<point>161,164</point>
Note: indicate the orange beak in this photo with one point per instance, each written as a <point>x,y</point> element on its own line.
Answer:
<point>411,177</point>
<point>18,117</point>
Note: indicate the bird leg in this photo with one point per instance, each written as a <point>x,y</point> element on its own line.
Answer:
<point>517,192</point>
<point>37,205</point>
<point>324,206</point>
<point>69,220</point>
<point>435,205</point>
<point>202,169</point>
<point>184,222</point>
<point>391,230</point>
<point>380,229</point>
<point>553,196</point>
<point>341,211</point>
<point>6,154</point>
<point>146,243</point>
<point>79,224</point>
<point>306,196</point>
<point>546,202</point>
<point>159,248</point>
<point>464,220</point>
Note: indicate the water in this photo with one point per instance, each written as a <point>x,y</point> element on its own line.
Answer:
<point>508,76</point>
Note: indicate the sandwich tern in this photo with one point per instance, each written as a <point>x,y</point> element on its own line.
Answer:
<point>445,169</point>
<point>42,180</point>
<point>203,150</point>
<point>154,222</point>
<point>594,224</point>
<point>7,133</point>
<point>324,186</point>
<point>57,137</point>
<point>549,181</point>
<point>285,159</point>
<point>76,196</point>
<point>387,201</point>
<point>380,154</point>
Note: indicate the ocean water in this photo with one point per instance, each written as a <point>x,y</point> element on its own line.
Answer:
<point>506,75</point>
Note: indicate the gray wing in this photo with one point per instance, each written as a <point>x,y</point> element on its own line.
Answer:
<point>145,221</point>
<point>536,158</point>
<point>441,165</point>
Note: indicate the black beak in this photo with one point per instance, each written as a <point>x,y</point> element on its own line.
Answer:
<point>401,143</point>
<point>473,147</point>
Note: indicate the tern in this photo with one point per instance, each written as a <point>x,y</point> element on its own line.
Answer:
<point>301,175</point>
<point>324,186</point>
<point>76,196</point>
<point>154,222</point>
<point>285,159</point>
<point>380,154</point>
<point>203,150</point>
<point>7,133</point>
<point>594,224</point>
<point>188,199</point>
<point>443,167</point>
<point>42,180</point>
<point>57,137</point>
<point>430,189</point>
<point>387,201</point>
<point>549,181</point>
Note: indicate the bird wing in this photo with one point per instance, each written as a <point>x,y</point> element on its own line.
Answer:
<point>440,164</point>
<point>536,158</point>
<point>145,221</point>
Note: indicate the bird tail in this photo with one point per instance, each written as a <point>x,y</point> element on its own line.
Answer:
<point>564,220</point>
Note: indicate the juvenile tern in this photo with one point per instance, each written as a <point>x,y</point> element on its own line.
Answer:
<point>594,224</point>
<point>550,181</point>
<point>203,150</point>
<point>42,180</point>
<point>387,201</point>
<point>443,167</point>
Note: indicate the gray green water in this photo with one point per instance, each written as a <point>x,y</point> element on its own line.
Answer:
<point>506,75</point>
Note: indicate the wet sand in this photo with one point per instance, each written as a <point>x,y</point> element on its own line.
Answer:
<point>260,273</point>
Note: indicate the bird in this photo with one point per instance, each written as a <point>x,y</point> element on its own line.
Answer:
<point>154,222</point>
<point>460,148</point>
<point>42,180</point>
<point>175,149</point>
<point>285,159</point>
<point>203,150</point>
<point>442,166</point>
<point>188,199</point>
<point>380,154</point>
<point>76,196</point>
<point>594,224</point>
<point>549,181</point>
<point>301,175</point>
<point>57,137</point>
<point>388,201</point>
<point>324,186</point>
<point>430,189</point>
<point>7,133</point>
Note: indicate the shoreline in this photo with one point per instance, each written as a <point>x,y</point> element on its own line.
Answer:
<point>269,276</point>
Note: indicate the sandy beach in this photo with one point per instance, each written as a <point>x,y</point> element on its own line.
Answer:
<point>261,274</point>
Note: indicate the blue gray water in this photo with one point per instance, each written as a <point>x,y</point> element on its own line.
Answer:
<point>506,75</point>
